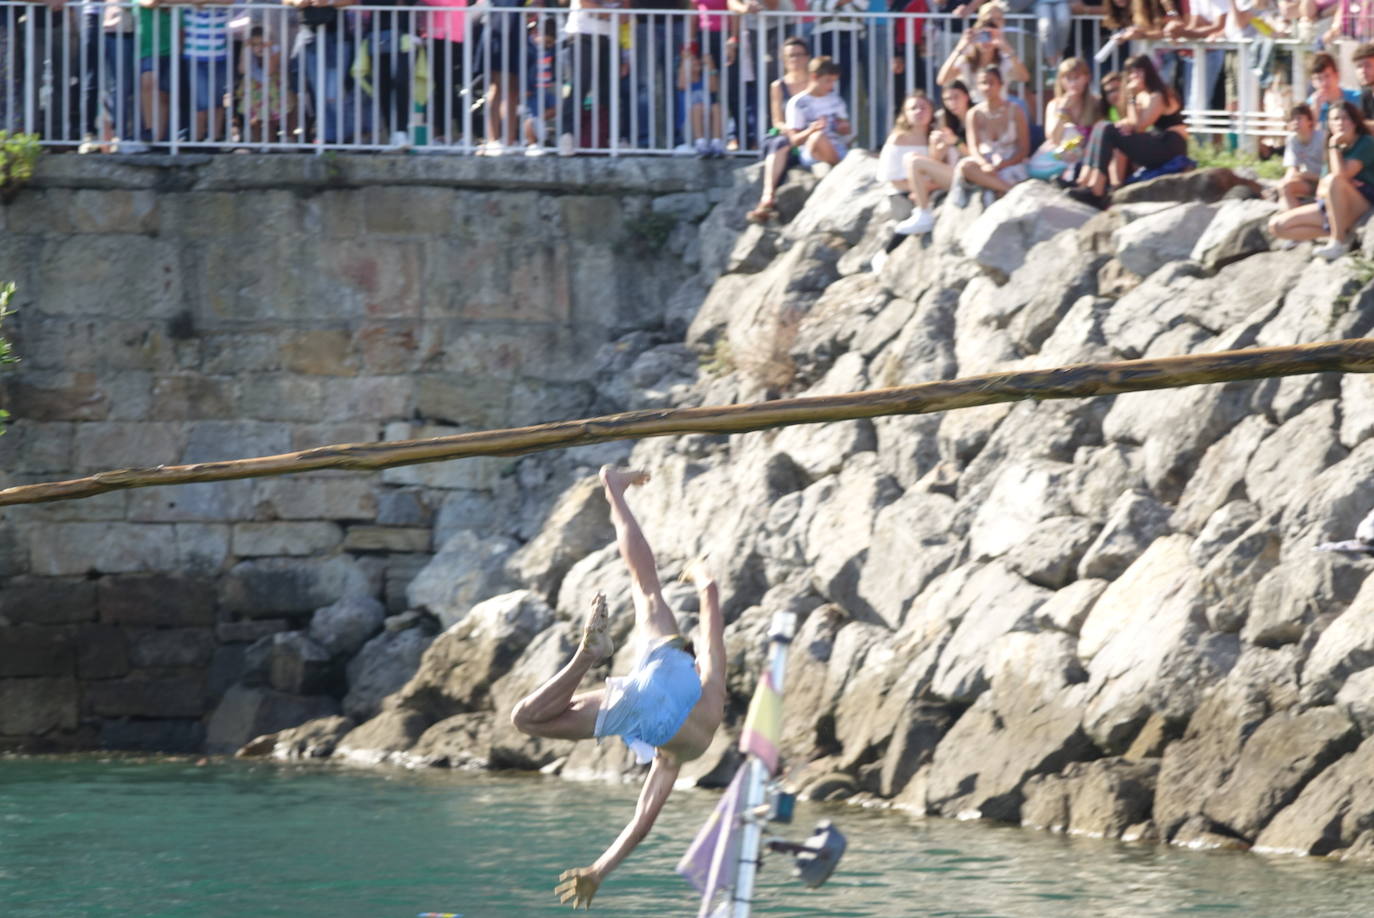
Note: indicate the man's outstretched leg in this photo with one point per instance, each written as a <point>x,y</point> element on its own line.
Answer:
<point>653,618</point>
<point>552,711</point>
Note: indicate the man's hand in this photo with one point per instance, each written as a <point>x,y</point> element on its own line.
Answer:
<point>578,886</point>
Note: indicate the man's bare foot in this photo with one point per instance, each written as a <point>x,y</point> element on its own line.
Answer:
<point>620,479</point>
<point>596,633</point>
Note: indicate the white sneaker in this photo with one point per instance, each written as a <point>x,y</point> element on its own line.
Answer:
<point>88,145</point>
<point>534,149</point>
<point>717,147</point>
<point>1332,250</point>
<point>820,169</point>
<point>494,148</point>
<point>877,262</point>
<point>130,146</point>
<point>921,221</point>
<point>701,147</point>
<point>566,145</point>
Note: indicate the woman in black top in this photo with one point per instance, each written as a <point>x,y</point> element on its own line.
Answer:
<point>1150,133</point>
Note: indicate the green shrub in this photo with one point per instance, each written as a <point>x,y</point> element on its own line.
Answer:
<point>18,155</point>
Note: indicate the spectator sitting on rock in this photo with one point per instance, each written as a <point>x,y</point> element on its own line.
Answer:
<point>1345,191</point>
<point>981,47</point>
<point>1326,86</point>
<point>1304,151</point>
<point>817,124</point>
<point>1069,119</point>
<point>927,173</point>
<point>778,152</point>
<point>909,139</point>
<point>1151,133</point>
<point>998,140</point>
<point>949,144</point>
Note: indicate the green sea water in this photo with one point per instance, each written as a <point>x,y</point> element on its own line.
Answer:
<point>102,838</point>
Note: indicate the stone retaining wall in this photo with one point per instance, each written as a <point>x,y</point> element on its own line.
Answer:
<point>218,307</point>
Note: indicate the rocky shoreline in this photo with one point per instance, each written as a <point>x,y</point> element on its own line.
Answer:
<point>1103,617</point>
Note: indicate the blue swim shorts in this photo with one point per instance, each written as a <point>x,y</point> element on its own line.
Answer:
<point>647,707</point>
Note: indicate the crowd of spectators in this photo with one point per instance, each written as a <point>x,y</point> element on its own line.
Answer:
<point>407,72</point>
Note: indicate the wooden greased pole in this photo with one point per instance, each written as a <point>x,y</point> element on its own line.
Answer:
<point>1079,381</point>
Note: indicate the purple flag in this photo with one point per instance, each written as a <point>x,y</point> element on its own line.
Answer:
<point>712,858</point>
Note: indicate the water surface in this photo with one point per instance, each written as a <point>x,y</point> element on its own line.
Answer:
<point>104,838</point>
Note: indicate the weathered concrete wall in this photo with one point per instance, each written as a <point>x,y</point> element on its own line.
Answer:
<point>227,306</point>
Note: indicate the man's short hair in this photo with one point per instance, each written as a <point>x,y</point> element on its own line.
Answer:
<point>1322,61</point>
<point>1302,110</point>
<point>823,66</point>
<point>1363,51</point>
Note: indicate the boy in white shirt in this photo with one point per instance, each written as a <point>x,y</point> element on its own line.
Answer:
<point>817,119</point>
<point>1303,153</point>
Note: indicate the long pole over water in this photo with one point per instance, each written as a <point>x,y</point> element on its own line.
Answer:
<point>1085,380</point>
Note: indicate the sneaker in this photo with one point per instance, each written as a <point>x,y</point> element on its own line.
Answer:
<point>566,145</point>
<point>717,148</point>
<point>1332,250</point>
<point>88,145</point>
<point>534,149</point>
<point>820,169</point>
<point>702,147</point>
<point>921,221</point>
<point>494,148</point>
<point>130,146</point>
<point>1286,245</point>
<point>877,262</point>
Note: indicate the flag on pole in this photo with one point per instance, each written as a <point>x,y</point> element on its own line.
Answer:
<point>762,733</point>
<point>710,861</point>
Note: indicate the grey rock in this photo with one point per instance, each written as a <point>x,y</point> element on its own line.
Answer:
<point>1220,476</point>
<point>1299,592</point>
<point>1236,231</point>
<point>314,739</point>
<point>299,666</point>
<point>1030,213</point>
<point>1068,608</point>
<point>1146,245</point>
<point>1277,760</point>
<point>1345,647</point>
<point>384,738</point>
<point>1100,799</point>
<point>579,523</point>
<point>912,548</point>
<point>383,665</point>
<point>1357,407</point>
<point>1330,813</point>
<point>1222,528</point>
<point>1356,700</point>
<point>244,713</point>
<point>1023,494</point>
<point>843,203</point>
<point>1134,522</point>
<point>268,587</point>
<point>343,627</point>
<point>460,741</point>
<point>467,570</point>
<point>1050,555</point>
<point>1230,577</point>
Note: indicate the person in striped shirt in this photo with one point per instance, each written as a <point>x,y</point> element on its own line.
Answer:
<point>205,48</point>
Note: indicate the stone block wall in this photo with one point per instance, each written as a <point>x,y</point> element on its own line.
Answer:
<point>217,307</point>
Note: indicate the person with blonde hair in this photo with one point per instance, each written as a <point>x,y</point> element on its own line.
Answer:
<point>1069,120</point>
<point>998,140</point>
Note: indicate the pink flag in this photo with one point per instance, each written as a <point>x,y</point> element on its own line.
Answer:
<point>710,861</point>
<point>762,731</point>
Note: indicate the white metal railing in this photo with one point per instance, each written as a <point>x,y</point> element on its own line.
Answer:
<point>436,77</point>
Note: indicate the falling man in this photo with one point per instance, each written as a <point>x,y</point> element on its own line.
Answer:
<point>666,709</point>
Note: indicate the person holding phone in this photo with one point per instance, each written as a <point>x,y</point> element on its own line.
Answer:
<point>985,45</point>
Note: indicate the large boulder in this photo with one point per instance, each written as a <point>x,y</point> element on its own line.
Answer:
<point>1330,813</point>
<point>1236,231</point>
<point>246,712</point>
<point>1344,648</point>
<point>1207,186</point>
<point>1144,246</point>
<point>467,570</point>
<point>1029,214</point>
<point>384,665</point>
<point>1101,799</point>
<point>1135,521</point>
<point>579,523</point>
<point>458,670</point>
<point>299,666</point>
<point>343,627</point>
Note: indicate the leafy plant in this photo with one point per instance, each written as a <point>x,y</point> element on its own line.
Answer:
<point>6,354</point>
<point>719,361</point>
<point>18,155</point>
